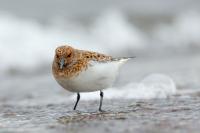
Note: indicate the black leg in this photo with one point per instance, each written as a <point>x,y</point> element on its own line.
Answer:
<point>101,100</point>
<point>78,98</point>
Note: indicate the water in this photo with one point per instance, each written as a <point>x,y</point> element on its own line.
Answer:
<point>27,48</point>
<point>33,44</point>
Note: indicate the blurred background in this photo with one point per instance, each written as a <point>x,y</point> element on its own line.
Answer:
<point>163,35</point>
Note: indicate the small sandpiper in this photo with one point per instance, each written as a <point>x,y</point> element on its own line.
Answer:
<point>85,71</point>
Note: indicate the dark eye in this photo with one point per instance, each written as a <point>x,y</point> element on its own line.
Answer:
<point>69,55</point>
<point>57,56</point>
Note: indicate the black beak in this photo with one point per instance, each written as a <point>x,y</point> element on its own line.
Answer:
<point>62,63</point>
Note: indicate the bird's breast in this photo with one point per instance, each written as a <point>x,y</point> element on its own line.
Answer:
<point>96,77</point>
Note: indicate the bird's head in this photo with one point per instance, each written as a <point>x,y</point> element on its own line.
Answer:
<point>64,56</point>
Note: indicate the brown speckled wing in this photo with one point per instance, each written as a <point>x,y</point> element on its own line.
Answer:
<point>94,56</point>
<point>82,63</point>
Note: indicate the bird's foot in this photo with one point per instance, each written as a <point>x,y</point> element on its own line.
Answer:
<point>102,111</point>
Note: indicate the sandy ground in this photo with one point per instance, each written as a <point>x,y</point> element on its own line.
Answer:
<point>170,115</point>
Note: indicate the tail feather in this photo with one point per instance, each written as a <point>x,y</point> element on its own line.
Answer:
<point>122,58</point>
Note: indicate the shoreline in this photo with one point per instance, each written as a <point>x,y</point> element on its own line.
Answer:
<point>158,115</point>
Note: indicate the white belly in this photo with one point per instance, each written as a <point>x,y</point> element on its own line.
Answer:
<point>99,76</point>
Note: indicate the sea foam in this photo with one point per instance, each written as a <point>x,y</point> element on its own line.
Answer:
<point>29,44</point>
<point>151,87</point>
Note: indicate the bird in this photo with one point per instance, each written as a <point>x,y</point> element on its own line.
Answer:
<point>81,71</point>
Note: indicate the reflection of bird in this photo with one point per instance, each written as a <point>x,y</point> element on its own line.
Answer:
<point>85,71</point>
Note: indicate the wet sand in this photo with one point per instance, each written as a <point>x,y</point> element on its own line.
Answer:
<point>170,115</point>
